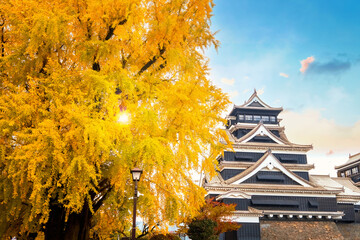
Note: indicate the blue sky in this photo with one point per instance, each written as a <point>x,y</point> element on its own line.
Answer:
<point>262,46</point>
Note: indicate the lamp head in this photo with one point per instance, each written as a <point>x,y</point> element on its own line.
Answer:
<point>136,173</point>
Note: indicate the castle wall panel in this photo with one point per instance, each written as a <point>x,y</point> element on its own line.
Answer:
<point>349,211</point>
<point>257,178</point>
<point>303,175</point>
<point>357,213</point>
<point>241,132</point>
<point>327,204</point>
<point>241,204</point>
<point>275,132</point>
<point>248,231</point>
<point>229,173</point>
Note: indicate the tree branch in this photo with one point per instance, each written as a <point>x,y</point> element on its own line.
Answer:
<point>2,24</point>
<point>98,203</point>
<point>110,33</point>
<point>152,61</point>
<point>111,29</point>
<point>104,188</point>
<point>146,230</point>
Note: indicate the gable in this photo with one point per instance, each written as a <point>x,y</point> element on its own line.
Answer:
<point>261,134</point>
<point>233,194</point>
<point>255,103</point>
<point>270,163</point>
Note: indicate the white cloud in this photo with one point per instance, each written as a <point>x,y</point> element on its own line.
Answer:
<point>332,142</point>
<point>310,126</point>
<point>284,75</point>
<point>234,94</point>
<point>305,63</point>
<point>246,91</point>
<point>261,91</point>
<point>228,81</point>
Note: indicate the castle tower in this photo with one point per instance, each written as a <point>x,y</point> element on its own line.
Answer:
<point>267,176</point>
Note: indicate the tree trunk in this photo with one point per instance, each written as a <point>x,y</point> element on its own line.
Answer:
<point>55,226</point>
<point>77,226</point>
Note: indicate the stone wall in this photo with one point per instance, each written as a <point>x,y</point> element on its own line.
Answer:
<point>298,230</point>
<point>350,231</point>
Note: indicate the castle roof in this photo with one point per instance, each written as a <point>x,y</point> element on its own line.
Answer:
<point>255,102</point>
<point>349,194</point>
<point>268,160</point>
<point>262,130</point>
<point>353,159</point>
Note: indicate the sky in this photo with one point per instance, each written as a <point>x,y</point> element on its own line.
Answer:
<point>301,55</point>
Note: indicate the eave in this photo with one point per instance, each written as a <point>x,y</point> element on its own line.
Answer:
<point>279,109</point>
<point>268,188</point>
<point>341,198</point>
<point>353,160</point>
<point>347,165</point>
<point>245,165</point>
<point>272,146</point>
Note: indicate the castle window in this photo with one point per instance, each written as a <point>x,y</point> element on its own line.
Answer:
<point>248,117</point>
<point>272,119</point>
<point>241,117</point>
<point>348,172</point>
<point>355,170</point>
<point>270,178</point>
<point>265,118</point>
<point>257,118</point>
<point>313,203</point>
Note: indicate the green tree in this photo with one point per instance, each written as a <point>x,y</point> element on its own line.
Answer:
<point>65,68</point>
<point>202,229</point>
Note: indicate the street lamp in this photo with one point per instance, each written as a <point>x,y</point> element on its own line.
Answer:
<point>136,173</point>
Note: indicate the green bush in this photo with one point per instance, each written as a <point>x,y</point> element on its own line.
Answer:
<point>165,237</point>
<point>202,230</point>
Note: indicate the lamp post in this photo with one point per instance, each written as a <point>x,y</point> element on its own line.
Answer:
<point>136,173</point>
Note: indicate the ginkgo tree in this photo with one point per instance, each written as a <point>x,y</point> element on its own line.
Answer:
<point>68,69</point>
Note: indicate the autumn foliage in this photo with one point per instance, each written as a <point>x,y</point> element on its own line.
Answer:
<point>65,68</point>
<point>213,218</point>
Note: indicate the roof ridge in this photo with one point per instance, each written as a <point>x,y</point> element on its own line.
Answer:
<point>252,97</point>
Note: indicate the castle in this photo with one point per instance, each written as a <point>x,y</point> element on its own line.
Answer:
<point>267,177</point>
